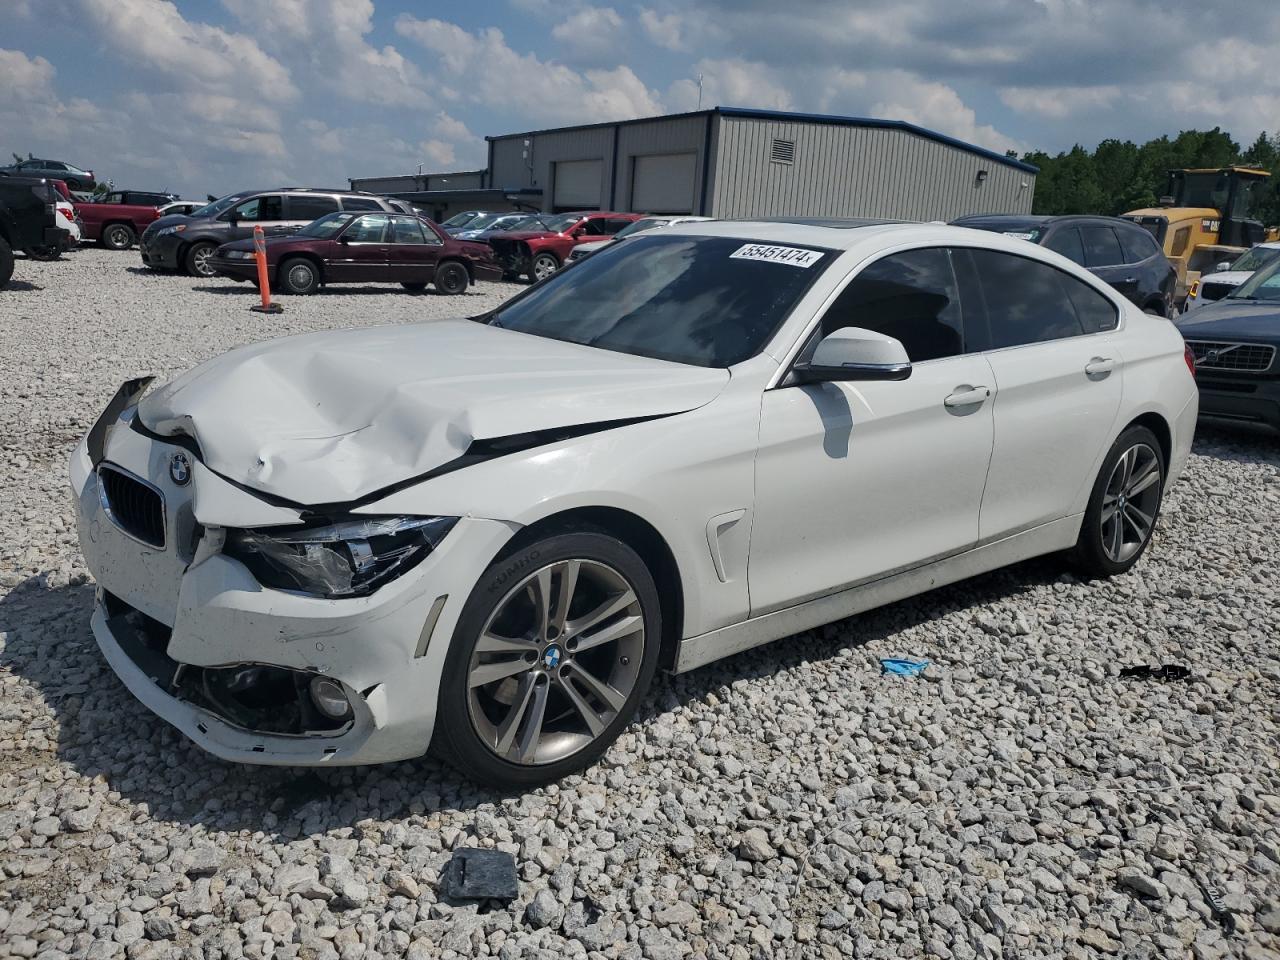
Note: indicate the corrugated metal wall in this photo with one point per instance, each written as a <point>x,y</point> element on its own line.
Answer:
<point>510,169</point>
<point>387,184</point>
<point>682,135</point>
<point>845,171</point>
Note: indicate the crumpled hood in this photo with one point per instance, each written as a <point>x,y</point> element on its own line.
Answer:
<point>1225,319</point>
<point>331,417</point>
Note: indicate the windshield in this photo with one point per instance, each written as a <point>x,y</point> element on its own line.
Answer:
<point>648,223</point>
<point>327,226</point>
<point>1255,259</point>
<point>485,220</point>
<point>705,301</point>
<point>215,208</point>
<point>561,223</point>
<point>1263,285</point>
<point>459,219</point>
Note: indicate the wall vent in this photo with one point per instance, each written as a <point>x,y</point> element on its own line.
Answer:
<point>782,151</point>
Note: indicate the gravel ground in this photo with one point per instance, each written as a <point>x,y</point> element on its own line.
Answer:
<point>1020,800</point>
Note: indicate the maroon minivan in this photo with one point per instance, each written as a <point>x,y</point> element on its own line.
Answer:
<point>357,247</point>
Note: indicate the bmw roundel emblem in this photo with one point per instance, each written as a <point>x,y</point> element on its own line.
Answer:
<point>551,657</point>
<point>180,469</point>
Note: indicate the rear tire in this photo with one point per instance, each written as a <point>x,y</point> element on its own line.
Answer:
<point>118,236</point>
<point>6,263</point>
<point>1124,505</point>
<point>451,278</point>
<point>299,276</point>
<point>197,259</point>
<point>575,724</point>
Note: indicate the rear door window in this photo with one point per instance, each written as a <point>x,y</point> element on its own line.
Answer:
<point>1027,301</point>
<point>302,206</point>
<point>1138,245</point>
<point>360,203</point>
<point>912,297</point>
<point>406,230</point>
<point>1101,248</point>
<point>1067,242</point>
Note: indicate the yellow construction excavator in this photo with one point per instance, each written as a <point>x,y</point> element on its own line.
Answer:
<point>1207,217</point>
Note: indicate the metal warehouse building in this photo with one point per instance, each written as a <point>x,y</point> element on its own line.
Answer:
<point>732,162</point>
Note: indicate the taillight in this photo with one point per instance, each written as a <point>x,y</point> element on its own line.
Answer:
<point>1189,356</point>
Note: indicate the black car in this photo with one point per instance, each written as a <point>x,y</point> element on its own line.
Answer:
<point>1115,251</point>
<point>27,220</point>
<point>1235,341</point>
<point>180,242</point>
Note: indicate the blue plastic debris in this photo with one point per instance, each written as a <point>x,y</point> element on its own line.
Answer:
<point>903,668</point>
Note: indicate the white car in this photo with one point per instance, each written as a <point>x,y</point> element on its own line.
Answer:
<point>488,534</point>
<point>584,250</point>
<point>1216,284</point>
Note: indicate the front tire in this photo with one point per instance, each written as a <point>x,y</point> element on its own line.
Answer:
<point>452,278</point>
<point>197,259</point>
<point>299,276</point>
<point>1124,505</point>
<point>554,650</point>
<point>118,236</point>
<point>543,266</point>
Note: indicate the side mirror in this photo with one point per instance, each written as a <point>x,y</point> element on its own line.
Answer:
<point>232,217</point>
<point>853,353</point>
<point>344,239</point>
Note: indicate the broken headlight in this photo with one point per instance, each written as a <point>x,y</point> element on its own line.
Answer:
<point>350,558</point>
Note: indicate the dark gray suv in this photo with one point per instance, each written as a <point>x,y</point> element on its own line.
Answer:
<point>179,242</point>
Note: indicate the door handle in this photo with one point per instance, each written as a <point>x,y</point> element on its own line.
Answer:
<point>965,398</point>
<point>1099,366</point>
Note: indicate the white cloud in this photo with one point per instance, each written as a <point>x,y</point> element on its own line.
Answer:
<point>1059,102</point>
<point>938,107</point>
<point>154,35</point>
<point>732,83</point>
<point>480,68</point>
<point>592,35</point>
<point>24,78</point>
<point>665,30</point>
<point>327,38</point>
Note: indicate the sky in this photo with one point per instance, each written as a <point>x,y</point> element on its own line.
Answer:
<point>214,96</point>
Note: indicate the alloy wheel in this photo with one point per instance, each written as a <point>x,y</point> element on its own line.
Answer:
<point>556,662</point>
<point>543,267</point>
<point>200,261</point>
<point>1130,502</point>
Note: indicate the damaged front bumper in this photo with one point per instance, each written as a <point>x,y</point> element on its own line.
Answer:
<point>512,256</point>
<point>229,662</point>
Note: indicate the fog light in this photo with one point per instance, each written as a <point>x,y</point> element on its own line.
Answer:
<point>329,698</point>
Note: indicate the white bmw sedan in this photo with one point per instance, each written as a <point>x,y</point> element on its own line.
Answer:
<point>486,535</point>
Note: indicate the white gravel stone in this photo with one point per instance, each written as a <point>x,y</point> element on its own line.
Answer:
<point>1020,799</point>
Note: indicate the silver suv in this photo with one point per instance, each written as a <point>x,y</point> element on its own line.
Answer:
<point>179,242</point>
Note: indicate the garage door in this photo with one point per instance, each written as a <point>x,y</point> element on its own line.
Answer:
<point>577,184</point>
<point>663,183</point>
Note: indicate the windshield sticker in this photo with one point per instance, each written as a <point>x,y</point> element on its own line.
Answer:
<point>791,256</point>
<point>1020,236</point>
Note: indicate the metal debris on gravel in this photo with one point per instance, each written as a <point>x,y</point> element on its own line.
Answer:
<point>1019,800</point>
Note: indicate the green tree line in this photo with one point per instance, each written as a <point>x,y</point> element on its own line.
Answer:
<point>1120,175</point>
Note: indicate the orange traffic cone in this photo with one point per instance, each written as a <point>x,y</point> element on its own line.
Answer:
<point>264,285</point>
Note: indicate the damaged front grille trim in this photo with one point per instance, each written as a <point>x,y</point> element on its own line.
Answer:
<point>131,510</point>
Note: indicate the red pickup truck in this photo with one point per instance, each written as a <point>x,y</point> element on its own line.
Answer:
<point>119,220</point>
